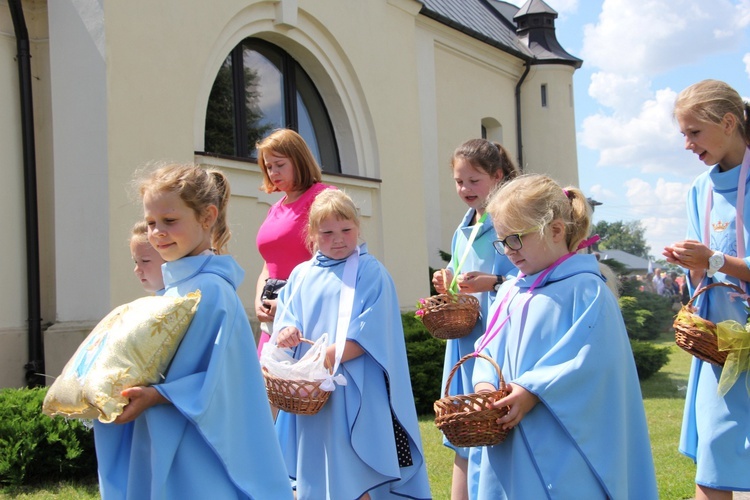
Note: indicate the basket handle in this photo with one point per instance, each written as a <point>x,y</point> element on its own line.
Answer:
<point>308,341</point>
<point>714,285</point>
<point>463,360</point>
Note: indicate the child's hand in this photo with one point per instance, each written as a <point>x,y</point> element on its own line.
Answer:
<point>475,282</point>
<point>520,401</point>
<point>141,398</point>
<point>437,280</point>
<point>690,254</point>
<point>288,337</point>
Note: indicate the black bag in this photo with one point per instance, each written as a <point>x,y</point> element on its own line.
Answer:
<point>271,289</point>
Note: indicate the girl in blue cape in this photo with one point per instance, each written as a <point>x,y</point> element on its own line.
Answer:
<point>716,424</point>
<point>206,431</point>
<point>365,441</point>
<point>479,166</point>
<point>577,423</point>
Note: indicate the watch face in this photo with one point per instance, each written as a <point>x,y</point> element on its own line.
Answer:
<point>716,261</point>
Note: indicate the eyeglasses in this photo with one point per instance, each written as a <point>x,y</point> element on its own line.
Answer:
<point>512,241</point>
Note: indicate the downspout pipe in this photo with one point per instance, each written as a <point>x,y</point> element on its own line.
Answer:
<point>519,133</point>
<point>35,367</point>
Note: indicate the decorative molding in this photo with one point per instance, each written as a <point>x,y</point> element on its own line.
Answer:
<point>286,13</point>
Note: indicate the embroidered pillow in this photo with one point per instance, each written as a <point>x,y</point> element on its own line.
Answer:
<point>133,345</point>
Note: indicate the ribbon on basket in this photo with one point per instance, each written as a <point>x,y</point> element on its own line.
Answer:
<point>346,304</point>
<point>453,288</point>
<point>733,338</point>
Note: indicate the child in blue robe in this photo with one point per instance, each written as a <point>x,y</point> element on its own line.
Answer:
<point>206,431</point>
<point>479,166</point>
<point>716,426</point>
<point>365,441</point>
<point>577,427</point>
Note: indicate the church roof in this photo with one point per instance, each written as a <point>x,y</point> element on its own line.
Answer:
<point>494,22</point>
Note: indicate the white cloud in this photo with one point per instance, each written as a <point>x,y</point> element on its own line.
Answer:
<point>620,92</point>
<point>646,137</point>
<point>661,210</point>
<point>665,197</point>
<point>600,193</point>
<point>746,60</point>
<point>654,36</point>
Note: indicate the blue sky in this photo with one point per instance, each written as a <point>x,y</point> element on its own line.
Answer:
<point>638,55</point>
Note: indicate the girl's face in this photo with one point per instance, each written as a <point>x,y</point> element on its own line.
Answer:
<point>710,141</point>
<point>173,228</point>
<point>281,171</point>
<point>538,251</point>
<point>337,238</point>
<point>147,265</point>
<point>473,185</point>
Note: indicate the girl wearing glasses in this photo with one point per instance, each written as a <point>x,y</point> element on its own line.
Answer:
<point>576,413</point>
<point>479,166</point>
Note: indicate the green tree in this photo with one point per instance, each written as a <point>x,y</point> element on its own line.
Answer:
<point>625,236</point>
<point>220,113</point>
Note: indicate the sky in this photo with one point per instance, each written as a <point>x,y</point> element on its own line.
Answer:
<point>637,56</point>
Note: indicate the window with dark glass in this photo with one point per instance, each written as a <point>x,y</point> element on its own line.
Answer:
<point>260,88</point>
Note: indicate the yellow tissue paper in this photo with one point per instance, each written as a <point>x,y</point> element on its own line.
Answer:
<point>132,346</point>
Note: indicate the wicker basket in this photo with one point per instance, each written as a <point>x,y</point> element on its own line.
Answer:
<point>700,340</point>
<point>466,420</point>
<point>295,396</point>
<point>450,316</point>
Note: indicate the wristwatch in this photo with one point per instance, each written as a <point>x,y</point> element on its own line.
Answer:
<point>498,281</point>
<point>715,262</point>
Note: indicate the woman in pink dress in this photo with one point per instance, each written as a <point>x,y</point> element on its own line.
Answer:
<point>288,166</point>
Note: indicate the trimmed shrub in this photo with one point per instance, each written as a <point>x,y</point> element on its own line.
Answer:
<point>35,448</point>
<point>425,354</point>
<point>637,319</point>
<point>648,358</point>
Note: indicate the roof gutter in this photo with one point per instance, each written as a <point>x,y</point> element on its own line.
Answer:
<point>35,367</point>
<point>519,133</point>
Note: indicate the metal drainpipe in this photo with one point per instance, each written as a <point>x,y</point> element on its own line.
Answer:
<point>518,115</point>
<point>35,367</point>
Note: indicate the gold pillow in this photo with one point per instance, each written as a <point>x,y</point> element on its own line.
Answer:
<point>133,345</point>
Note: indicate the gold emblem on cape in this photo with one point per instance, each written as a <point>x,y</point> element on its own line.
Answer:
<point>719,226</point>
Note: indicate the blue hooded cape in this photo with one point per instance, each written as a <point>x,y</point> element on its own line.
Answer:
<point>215,439</point>
<point>716,430</point>
<point>349,447</point>
<point>483,258</point>
<point>587,435</point>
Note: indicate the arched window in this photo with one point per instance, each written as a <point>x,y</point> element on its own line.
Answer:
<point>260,88</point>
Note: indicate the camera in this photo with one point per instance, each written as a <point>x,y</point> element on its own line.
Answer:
<point>271,289</point>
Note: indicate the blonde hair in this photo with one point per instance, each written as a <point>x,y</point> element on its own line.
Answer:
<point>199,188</point>
<point>288,143</point>
<point>330,202</point>
<point>535,200</point>
<point>710,100</point>
<point>139,232</point>
<point>491,157</point>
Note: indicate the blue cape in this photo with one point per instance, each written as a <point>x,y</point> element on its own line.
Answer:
<point>349,447</point>
<point>715,430</point>
<point>587,436</point>
<point>216,439</point>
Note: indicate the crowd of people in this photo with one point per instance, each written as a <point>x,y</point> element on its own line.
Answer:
<point>576,422</point>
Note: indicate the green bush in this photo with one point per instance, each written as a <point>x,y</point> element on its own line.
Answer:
<point>648,358</point>
<point>425,354</point>
<point>637,320</point>
<point>36,448</point>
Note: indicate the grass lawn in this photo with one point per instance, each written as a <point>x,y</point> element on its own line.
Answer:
<point>663,394</point>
